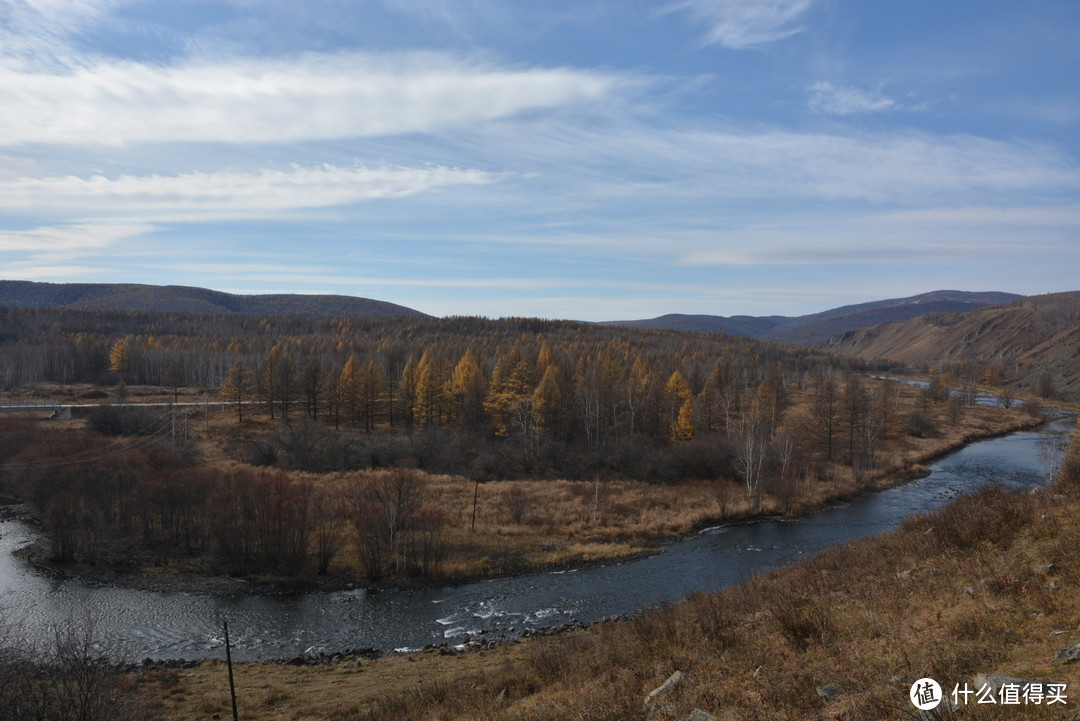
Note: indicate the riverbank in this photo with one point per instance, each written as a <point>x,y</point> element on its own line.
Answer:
<point>987,585</point>
<point>527,526</point>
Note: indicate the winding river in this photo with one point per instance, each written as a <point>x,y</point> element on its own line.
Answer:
<point>177,625</point>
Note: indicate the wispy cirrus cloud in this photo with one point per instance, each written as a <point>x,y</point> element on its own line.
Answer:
<point>39,30</point>
<point>35,270</point>
<point>226,195</point>
<point>455,14</point>
<point>824,97</point>
<point>741,24</point>
<point>312,97</point>
<point>74,250</point>
<point>694,162</point>
<point>864,242</point>
<point>70,239</point>
<point>1032,216</point>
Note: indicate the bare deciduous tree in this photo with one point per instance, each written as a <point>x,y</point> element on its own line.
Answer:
<point>395,532</point>
<point>72,675</point>
<point>752,452</point>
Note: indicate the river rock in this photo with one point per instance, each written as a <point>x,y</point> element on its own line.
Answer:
<point>1068,654</point>
<point>829,692</point>
<point>699,715</point>
<point>672,681</point>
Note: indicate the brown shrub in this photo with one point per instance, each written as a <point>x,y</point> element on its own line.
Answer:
<point>990,515</point>
<point>919,425</point>
<point>1068,475</point>
<point>804,622</point>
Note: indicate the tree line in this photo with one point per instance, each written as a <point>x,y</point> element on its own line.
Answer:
<point>487,398</point>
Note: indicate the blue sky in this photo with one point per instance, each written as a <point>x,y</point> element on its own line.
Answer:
<point>595,159</point>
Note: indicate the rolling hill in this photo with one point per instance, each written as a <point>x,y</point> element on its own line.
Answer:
<point>809,330</point>
<point>186,299</point>
<point>1032,337</point>
<point>748,326</point>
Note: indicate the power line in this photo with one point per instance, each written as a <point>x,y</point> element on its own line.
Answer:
<point>97,454</point>
<point>158,435</point>
<point>141,432</point>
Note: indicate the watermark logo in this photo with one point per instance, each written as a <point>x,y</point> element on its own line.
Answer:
<point>925,694</point>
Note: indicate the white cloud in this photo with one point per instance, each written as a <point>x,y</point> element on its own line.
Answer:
<point>883,167</point>
<point>53,273</point>
<point>55,252</point>
<point>290,273</point>
<point>770,248</point>
<point>69,239</point>
<point>1026,216</point>
<point>455,14</point>
<point>636,162</point>
<point>201,196</point>
<point>740,24</point>
<point>303,98</point>
<point>39,30</point>
<point>828,98</point>
<point>55,15</point>
<point>866,241</point>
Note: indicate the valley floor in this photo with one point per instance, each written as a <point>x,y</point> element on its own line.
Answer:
<point>527,525</point>
<point>990,584</point>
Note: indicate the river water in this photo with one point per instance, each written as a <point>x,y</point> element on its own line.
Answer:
<point>178,625</point>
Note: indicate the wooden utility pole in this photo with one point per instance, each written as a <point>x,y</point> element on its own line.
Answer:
<point>228,662</point>
<point>173,413</point>
<point>476,495</point>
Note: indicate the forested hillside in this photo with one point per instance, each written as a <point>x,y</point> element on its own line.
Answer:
<point>808,330</point>
<point>186,299</point>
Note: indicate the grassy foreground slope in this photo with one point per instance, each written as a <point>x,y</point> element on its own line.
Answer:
<point>988,584</point>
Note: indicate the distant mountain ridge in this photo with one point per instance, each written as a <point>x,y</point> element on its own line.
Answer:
<point>809,330</point>
<point>1032,337</point>
<point>749,326</point>
<point>189,299</point>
